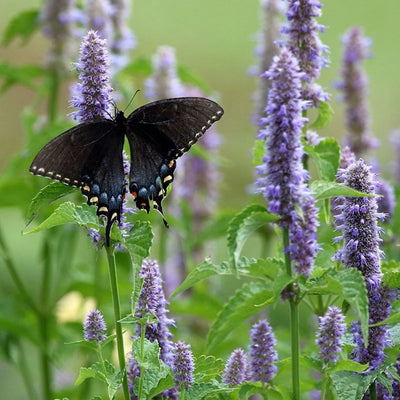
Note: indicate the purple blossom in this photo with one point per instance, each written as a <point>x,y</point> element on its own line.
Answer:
<point>152,302</point>
<point>124,40</point>
<point>183,365</point>
<point>283,178</point>
<point>272,12</point>
<point>354,88</point>
<point>303,237</point>
<point>304,43</point>
<point>92,94</point>
<point>235,368</point>
<point>282,174</point>
<point>133,372</point>
<point>380,299</point>
<point>262,353</point>
<point>58,18</point>
<point>98,14</point>
<point>387,201</point>
<point>164,81</point>
<point>358,222</point>
<point>330,333</point>
<point>94,327</point>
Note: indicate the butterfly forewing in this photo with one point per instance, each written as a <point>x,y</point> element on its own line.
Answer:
<point>88,156</point>
<point>158,134</point>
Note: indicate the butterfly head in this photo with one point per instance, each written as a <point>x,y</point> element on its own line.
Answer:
<point>120,118</point>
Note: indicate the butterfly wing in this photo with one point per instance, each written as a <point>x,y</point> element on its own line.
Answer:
<point>88,156</point>
<point>158,134</point>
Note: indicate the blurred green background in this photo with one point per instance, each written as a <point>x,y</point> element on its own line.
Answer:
<point>215,40</point>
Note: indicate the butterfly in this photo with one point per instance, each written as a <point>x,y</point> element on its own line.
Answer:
<point>89,155</point>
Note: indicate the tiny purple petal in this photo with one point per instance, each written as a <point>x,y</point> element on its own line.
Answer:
<point>236,368</point>
<point>183,365</point>
<point>94,327</point>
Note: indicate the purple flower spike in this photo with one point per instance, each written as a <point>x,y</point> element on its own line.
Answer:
<point>303,237</point>
<point>387,202</point>
<point>380,299</point>
<point>183,365</point>
<point>330,333</point>
<point>282,173</point>
<point>263,355</point>
<point>236,368</point>
<point>92,94</point>
<point>152,301</point>
<point>358,222</point>
<point>58,18</point>
<point>305,44</point>
<point>164,81</point>
<point>99,14</point>
<point>354,88</point>
<point>94,327</point>
<point>272,12</point>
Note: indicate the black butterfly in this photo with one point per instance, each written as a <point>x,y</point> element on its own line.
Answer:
<point>89,155</point>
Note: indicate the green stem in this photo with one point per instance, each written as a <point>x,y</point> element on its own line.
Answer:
<point>142,371</point>
<point>26,373</point>
<point>294,324</point>
<point>372,391</point>
<point>117,316</point>
<point>53,95</point>
<point>44,322</point>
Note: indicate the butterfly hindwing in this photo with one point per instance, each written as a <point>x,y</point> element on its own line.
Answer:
<point>159,133</point>
<point>88,156</point>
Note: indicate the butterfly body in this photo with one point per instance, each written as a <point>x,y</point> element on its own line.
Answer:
<point>89,155</point>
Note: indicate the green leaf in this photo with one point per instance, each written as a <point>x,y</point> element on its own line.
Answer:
<point>94,371</point>
<point>187,76</point>
<point>200,391</point>
<point>258,152</point>
<point>49,193</point>
<point>327,190</point>
<point>348,365</point>
<point>394,332</point>
<point>326,155</point>
<point>23,25</point>
<point>22,75</point>
<point>201,272</point>
<point>393,319</point>
<point>150,358</point>
<point>244,303</point>
<point>241,227</point>
<point>325,113</point>
<point>139,241</point>
<point>262,268</point>
<point>69,212</point>
<point>348,385</point>
<point>157,381</point>
<point>207,367</point>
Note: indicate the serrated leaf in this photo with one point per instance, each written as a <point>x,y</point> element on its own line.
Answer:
<point>200,391</point>
<point>94,371</point>
<point>258,152</point>
<point>325,112</point>
<point>150,357</point>
<point>326,155</point>
<point>23,25</point>
<point>68,212</point>
<point>348,385</point>
<point>157,381</point>
<point>207,367</point>
<point>49,193</point>
<point>393,319</point>
<point>249,388</point>
<point>326,190</point>
<point>244,303</point>
<point>243,225</point>
<point>139,241</point>
<point>259,267</point>
<point>22,75</point>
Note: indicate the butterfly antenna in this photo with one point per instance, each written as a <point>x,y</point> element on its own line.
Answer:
<point>130,101</point>
<point>103,110</point>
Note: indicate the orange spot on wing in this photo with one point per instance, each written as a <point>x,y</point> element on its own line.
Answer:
<point>171,163</point>
<point>134,194</point>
